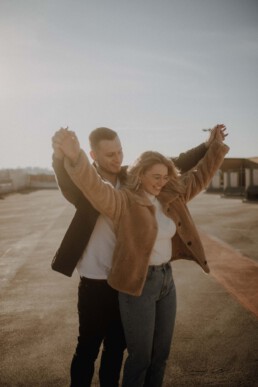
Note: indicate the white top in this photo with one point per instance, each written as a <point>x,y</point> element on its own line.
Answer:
<point>96,260</point>
<point>97,257</point>
<point>162,249</point>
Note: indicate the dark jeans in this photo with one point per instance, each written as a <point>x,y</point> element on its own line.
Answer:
<point>99,321</point>
<point>148,323</point>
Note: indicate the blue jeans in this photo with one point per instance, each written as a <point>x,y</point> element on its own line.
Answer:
<point>148,322</point>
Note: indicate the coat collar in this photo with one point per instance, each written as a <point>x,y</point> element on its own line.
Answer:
<point>140,198</point>
<point>166,197</point>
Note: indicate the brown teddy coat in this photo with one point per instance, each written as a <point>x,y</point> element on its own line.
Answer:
<point>134,217</point>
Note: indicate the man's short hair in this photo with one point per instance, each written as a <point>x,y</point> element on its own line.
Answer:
<point>100,134</point>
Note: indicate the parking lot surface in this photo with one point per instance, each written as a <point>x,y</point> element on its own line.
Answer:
<point>216,334</point>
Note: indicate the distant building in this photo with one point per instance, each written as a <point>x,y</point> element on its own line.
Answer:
<point>251,178</point>
<point>233,176</point>
<point>237,177</point>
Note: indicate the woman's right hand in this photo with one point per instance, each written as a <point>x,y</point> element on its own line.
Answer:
<point>217,133</point>
<point>220,132</point>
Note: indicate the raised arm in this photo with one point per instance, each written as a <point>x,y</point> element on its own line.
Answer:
<point>199,178</point>
<point>102,195</point>
<point>69,190</point>
<point>188,160</point>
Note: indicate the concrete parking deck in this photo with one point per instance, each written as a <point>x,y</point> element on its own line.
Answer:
<point>216,334</point>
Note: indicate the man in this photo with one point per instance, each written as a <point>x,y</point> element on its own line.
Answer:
<point>88,245</point>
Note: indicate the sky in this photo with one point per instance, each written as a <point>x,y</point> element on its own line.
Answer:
<point>156,71</point>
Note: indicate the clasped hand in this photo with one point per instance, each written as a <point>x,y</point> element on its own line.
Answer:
<point>217,133</point>
<point>65,142</point>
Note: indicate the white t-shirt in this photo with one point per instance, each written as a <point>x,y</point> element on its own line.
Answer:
<point>97,257</point>
<point>96,260</point>
<point>162,249</point>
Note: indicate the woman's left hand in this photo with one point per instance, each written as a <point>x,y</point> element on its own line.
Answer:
<point>68,142</point>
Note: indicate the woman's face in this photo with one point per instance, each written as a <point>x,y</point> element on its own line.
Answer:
<point>154,179</point>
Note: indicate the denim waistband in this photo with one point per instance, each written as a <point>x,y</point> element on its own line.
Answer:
<point>165,265</point>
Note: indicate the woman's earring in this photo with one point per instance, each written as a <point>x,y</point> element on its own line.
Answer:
<point>138,184</point>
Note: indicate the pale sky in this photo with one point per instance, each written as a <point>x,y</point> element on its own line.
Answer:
<point>156,71</point>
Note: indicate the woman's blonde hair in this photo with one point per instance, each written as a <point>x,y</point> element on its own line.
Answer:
<point>144,162</point>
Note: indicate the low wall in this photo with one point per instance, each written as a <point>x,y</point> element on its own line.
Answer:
<point>18,180</point>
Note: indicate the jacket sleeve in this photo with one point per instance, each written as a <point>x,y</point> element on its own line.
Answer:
<point>102,195</point>
<point>187,160</point>
<point>75,239</point>
<point>199,178</point>
<point>69,190</point>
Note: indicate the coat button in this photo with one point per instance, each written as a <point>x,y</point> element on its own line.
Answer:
<point>179,224</point>
<point>189,243</point>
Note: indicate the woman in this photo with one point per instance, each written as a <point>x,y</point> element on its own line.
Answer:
<point>153,226</point>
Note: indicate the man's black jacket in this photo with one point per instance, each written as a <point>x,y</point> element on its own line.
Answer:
<point>79,231</point>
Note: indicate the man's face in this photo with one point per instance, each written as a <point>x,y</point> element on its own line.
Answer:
<point>109,155</point>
